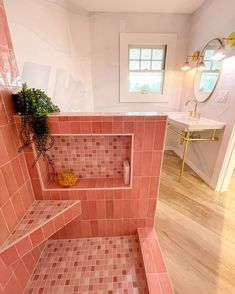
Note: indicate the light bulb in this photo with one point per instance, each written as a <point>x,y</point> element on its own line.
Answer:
<point>219,54</point>
<point>186,66</point>
<point>201,66</point>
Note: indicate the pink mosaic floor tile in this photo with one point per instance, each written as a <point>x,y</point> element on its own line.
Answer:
<point>92,265</point>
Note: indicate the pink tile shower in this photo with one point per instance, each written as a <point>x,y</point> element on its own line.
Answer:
<point>112,210</point>
<point>86,238</point>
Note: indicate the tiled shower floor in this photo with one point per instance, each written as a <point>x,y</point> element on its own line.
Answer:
<point>93,265</point>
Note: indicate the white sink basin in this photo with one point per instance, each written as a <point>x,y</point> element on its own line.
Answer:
<point>184,121</point>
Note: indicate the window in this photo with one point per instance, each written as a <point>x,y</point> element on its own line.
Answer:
<point>145,64</point>
<point>146,69</point>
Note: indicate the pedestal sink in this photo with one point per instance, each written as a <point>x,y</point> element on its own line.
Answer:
<point>185,127</point>
<point>183,121</point>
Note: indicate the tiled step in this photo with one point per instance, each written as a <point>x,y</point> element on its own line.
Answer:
<point>156,273</point>
<point>43,219</point>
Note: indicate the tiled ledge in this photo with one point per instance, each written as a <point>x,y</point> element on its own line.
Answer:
<point>156,273</point>
<point>90,184</point>
<point>43,219</point>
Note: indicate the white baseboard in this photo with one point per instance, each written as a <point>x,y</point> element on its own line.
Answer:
<point>189,163</point>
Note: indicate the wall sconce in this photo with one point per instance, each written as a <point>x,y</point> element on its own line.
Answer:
<point>227,42</point>
<point>193,57</point>
<point>201,66</point>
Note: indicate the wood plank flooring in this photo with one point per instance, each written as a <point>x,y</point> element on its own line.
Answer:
<point>196,231</point>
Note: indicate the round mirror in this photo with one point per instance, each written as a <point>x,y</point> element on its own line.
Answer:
<point>208,71</point>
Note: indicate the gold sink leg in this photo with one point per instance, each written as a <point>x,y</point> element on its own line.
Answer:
<point>185,146</point>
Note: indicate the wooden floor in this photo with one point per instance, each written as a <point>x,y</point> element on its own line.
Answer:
<point>196,230</point>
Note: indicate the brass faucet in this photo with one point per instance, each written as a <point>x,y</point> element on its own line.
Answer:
<point>194,112</point>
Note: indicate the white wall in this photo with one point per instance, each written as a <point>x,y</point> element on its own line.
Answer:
<point>105,29</point>
<point>52,48</point>
<point>214,19</point>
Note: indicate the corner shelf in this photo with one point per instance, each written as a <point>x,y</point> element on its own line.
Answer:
<point>42,220</point>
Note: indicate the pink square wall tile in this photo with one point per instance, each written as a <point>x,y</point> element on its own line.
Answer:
<point>24,246</point>
<point>3,38</point>
<point>101,209</point>
<point>161,268</point>
<point>4,157</point>
<point>92,209</point>
<point>107,127</point>
<point>159,136</point>
<point>128,127</point>
<point>3,116</point>
<point>10,216</point>
<point>149,133</point>
<point>4,232</point>
<point>9,178</point>
<point>54,127</point>
<point>29,261</point>
<point>109,209</point>
<point>10,255</point>
<point>96,127</point>
<point>110,229</point>
<point>139,136</point>
<point>4,194</point>
<point>13,286</point>
<point>22,274</point>
<point>5,274</point>
<point>49,228</point>
<point>147,257</point>
<point>75,127</point>
<point>146,163</point>
<point>86,228</point>
<point>16,167</point>
<point>86,127</point>
<point>9,141</point>
<point>153,283</point>
<point>118,227</point>
<point>102,227</point>
<point>165,284</point>
<point>64,127</point>
<point>18,205</point>
<point>37,237</point>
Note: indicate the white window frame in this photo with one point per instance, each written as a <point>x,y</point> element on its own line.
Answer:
<point>137,39</point>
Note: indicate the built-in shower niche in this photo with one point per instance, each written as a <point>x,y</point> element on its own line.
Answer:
<point>97,160</point>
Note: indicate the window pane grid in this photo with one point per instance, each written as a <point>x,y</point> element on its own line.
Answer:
<point>146,61</point>
<point>146,69</point>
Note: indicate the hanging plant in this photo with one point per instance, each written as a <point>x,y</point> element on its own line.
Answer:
<point>34,105</point>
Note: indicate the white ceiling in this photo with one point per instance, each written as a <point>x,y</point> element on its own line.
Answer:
<point>164,6</point>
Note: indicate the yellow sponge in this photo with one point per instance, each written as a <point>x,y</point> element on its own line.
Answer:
<point>67,179</point>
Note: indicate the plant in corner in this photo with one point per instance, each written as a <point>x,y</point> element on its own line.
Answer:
<point>34,106</point>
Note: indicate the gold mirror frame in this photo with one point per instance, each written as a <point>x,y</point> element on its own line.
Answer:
<point>201,59</point>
